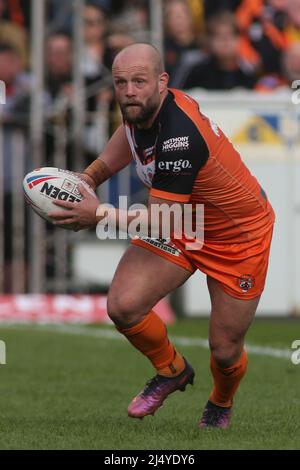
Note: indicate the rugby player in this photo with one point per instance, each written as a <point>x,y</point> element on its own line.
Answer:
<point>162,128</point>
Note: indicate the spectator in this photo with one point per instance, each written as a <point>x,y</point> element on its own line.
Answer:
<point>95,30</point>
<point>17,12</point>
<point>290,72</point>
<point>291,63</point>
<point>59,91</point>
<point>117,39</point>
<point>135,17</point>
<point>13,116</point>
<point>95,61</point>
<point>17,82</point>
<point>180,35</point>
<point>262,28</point>
<point>14,35</point>
<point>212,7</point>
<point>223,68</point>
<point>59,86</point>
<point>267,28</point>
<point>292,27</point>
<point>58,63</point>
<point>198,11</point>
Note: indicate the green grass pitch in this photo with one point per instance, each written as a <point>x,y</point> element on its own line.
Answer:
<point>70,390</point>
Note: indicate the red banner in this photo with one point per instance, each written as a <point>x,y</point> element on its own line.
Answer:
<point>31,308</point>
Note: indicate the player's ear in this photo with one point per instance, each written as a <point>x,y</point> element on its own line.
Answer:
<point>163,82</point>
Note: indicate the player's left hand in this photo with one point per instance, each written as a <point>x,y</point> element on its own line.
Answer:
<point>82,214</point>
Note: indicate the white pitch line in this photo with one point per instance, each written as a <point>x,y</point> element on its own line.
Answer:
<point>180,340</point>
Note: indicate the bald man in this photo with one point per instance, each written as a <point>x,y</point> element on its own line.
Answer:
<point>182,157</point>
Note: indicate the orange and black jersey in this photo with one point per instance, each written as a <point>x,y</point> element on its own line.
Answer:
<point>185,157</point>
<point>170,154</point>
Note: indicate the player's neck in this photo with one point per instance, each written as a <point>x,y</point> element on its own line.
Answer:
<point>149,123</point>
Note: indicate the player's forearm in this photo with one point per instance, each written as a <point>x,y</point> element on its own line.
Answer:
<point>115,156</point>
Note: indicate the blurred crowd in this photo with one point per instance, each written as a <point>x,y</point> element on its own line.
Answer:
<point>210,44</point>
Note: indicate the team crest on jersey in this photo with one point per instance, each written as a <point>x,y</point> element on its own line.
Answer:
<point>149,173</point>
<point>246,282</point>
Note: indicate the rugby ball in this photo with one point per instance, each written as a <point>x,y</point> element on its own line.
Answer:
<point>44,186</point>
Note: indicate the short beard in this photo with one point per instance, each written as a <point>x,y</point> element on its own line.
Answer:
<point>145,114</point>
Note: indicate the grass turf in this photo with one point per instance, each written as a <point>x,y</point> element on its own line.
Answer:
<point>65,391</point>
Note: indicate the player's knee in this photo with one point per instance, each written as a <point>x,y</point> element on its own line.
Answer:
<point>225,354</point>
<point>122,309</point>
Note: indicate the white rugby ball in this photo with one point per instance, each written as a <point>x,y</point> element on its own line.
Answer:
<point>45,185</point>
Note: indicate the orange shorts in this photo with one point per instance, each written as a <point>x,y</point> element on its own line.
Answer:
<point>240,268</point>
